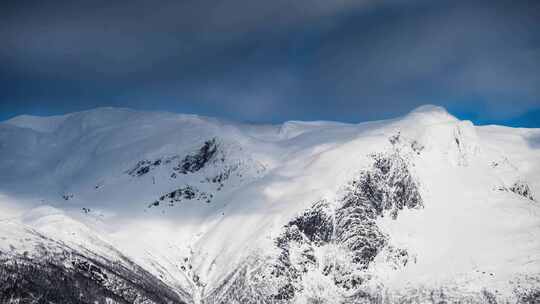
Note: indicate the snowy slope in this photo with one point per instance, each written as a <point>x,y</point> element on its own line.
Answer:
<point>422,208</point>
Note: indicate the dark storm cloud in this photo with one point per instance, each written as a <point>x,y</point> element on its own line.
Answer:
<point>272,60</point>
<point>458,54</point>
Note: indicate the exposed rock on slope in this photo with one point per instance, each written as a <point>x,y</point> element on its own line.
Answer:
<point>336,241</point>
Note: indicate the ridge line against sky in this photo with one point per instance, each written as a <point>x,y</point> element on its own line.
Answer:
<point>526,121</point>
<point>274,61</point>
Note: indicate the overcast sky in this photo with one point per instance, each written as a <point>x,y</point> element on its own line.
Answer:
<point>271,61</point>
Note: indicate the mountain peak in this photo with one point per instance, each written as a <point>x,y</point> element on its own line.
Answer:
<point>429,108</point>
<point>431,114</point>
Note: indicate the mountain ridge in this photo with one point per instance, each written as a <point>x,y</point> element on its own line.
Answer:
<point>215,211</point>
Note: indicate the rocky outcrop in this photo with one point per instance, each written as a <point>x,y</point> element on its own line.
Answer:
<point>335,241</point>
<point>184,193</point>
<point>214,163</point>
<point>520,188</point>
<point>198,160</point>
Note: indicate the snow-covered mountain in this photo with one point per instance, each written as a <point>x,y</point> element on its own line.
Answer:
<point>120,206</point>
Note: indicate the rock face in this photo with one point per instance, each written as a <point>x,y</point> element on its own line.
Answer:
<point>209,164</point>
<point>195,162</point>
<point>334,240</point>
<point>521,188</point>
<point>144,167</point>
<point>181,194</point>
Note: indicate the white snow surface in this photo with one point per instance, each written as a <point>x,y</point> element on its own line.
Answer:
<point>66,177</point>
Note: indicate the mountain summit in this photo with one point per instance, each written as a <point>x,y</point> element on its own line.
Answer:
<point>121,206</point>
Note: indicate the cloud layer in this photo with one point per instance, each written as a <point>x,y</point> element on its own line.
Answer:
<point>272,60</point>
